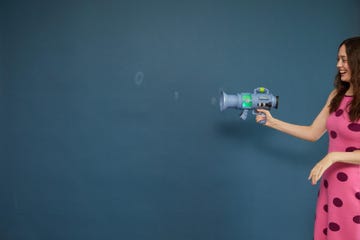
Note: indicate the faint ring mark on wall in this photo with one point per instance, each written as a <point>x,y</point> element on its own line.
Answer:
<point>176,95</point>
<point>139,78</point>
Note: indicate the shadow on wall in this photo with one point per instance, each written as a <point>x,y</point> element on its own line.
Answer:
<point>285,148</point>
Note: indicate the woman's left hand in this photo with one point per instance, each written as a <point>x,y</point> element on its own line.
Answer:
<point>320,168</point>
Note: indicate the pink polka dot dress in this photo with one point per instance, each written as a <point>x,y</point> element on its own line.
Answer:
<point>338,205</point>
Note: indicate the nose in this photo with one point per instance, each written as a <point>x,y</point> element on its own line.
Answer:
<point>339,63</point>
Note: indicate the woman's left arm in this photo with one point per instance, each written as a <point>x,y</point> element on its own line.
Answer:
<point>331,158</point>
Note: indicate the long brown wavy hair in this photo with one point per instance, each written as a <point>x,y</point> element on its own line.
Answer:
<point>352,46</point>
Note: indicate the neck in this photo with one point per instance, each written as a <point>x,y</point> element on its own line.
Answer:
<point>349,92</point>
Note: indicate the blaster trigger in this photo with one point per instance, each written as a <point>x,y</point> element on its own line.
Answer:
<point>243,114</point>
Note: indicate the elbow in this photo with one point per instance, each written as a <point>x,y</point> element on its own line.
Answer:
<point>313,138</point>
<point>313,135</point>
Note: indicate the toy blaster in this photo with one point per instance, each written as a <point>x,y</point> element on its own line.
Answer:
<point>260,99</point>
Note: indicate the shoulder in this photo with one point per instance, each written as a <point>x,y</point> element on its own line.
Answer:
<point>332,94</point>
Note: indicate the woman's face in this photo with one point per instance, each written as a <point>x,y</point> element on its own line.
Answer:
<point>342,64</point>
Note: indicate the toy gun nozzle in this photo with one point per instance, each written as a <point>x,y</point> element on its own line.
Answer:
<point>227,101</point>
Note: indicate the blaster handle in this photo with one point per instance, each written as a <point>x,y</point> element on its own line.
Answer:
<point>262,114</point>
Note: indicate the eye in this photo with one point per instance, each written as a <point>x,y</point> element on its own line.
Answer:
<point>342,59</point>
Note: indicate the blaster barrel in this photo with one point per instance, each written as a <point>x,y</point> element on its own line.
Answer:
<point>261,98</point>
<point>229,101</point>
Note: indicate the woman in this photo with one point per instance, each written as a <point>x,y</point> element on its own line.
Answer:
<point>338,205</point>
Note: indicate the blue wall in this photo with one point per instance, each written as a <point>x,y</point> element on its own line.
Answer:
<point>112,128</point>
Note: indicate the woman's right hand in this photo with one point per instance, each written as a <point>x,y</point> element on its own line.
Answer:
<point>265,117</point>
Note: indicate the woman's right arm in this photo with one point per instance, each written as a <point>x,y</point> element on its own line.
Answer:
<point>310,133</point>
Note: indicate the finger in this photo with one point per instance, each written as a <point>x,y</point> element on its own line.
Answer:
<point>260,116</point>
<point>262,110</point>
<point>316,176</point>
<point>311,174</point>
<point>312,177</point>
<point>313,181</point>
<point>259,119</point>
